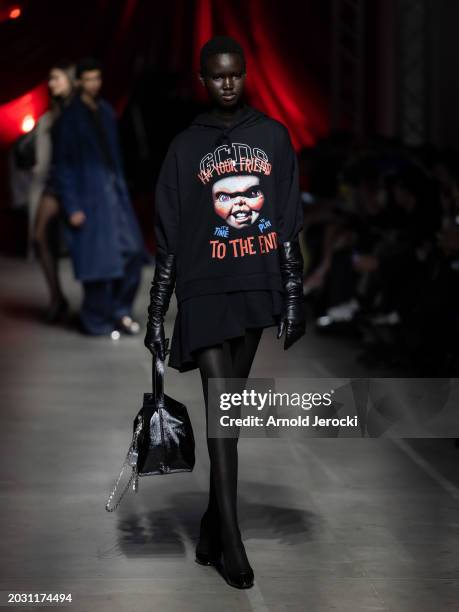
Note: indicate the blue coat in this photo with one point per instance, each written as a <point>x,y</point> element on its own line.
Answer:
<point>84,182</point>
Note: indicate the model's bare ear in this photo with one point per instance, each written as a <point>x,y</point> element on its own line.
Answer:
<point>201,78</point>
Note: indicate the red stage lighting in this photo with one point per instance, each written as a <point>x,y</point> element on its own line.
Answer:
<point>28,123</point>
<point>15,12</point>
<point>20,115</point>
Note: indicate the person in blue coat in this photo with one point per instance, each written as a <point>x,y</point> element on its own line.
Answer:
<point>103,235</point>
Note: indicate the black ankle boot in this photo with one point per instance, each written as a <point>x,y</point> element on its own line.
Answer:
<point>209,547</point>
<point>240,578</point>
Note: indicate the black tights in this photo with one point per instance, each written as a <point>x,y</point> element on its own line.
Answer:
<point>46,244</point>
<point>232,359</point>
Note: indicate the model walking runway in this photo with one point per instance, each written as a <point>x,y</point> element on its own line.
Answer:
<point>344,523</point>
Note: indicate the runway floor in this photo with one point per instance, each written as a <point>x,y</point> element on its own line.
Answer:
<point>353,525</point>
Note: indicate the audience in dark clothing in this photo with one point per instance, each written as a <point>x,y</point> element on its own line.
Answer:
<point>381,236</point>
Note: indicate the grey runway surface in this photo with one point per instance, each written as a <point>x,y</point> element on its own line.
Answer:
<point>329,524</point>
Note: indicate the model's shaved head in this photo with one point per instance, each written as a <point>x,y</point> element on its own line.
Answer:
<point>218,45</point>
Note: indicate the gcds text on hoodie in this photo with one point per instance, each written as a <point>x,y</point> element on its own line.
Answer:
<point>226,199</point>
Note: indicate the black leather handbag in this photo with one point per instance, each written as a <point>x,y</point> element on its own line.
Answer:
<point>162,439</point>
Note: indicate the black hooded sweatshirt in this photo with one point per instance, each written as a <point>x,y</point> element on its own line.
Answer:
<point>226,199</point>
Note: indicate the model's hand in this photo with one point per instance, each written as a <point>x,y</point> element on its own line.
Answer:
<point>294,328</point>
<point>77,218</point>
<point>155,341</point>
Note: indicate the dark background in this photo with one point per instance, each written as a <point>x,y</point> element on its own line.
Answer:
<point>150,54</point>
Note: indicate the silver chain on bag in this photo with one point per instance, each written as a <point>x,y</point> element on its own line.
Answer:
<point>130,461</point>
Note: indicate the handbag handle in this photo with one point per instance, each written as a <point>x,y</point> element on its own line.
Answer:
<point>157,376</point>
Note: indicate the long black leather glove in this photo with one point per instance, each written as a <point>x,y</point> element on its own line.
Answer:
<point>293,320</point>
<point>161,290</point>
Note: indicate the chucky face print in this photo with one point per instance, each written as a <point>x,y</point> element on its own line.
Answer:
<point>238,199</point>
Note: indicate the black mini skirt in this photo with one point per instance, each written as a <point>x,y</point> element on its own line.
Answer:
<point>207,320</point>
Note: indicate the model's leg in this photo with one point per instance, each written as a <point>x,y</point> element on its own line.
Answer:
<point>126,287</point>
<point>96,315</point>
<point>45,245</point>
<point>209,545</point>
<point>213,362</point>
<point>243,351</point>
